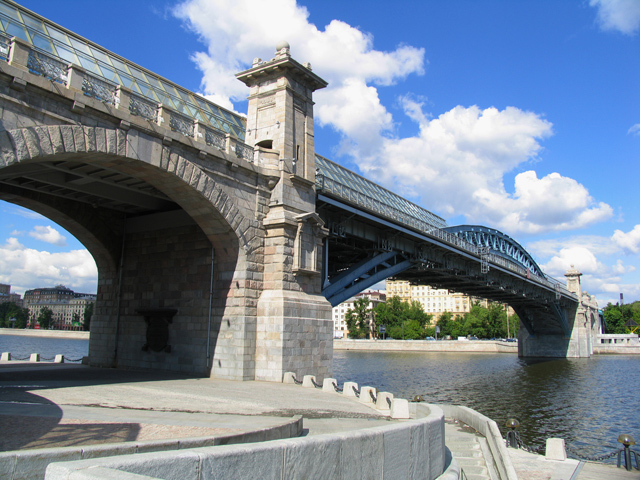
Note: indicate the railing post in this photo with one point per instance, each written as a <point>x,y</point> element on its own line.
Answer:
<point>75,75</point>
<point>19,53</point>
<point>227,147</point>
<point>123,98</point>
<point>164,116</point>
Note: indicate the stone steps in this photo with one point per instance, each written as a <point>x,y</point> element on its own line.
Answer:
<point>466,449</point>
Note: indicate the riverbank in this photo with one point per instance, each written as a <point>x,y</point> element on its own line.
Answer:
<point>45,333</point>
<point>467,346</point>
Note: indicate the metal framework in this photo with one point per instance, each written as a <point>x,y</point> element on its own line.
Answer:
<point>499,243</point>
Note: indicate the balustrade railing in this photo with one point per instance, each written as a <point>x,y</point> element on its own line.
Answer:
<point>75,77</point>
<point>47,66</point>
<point>99,89</point>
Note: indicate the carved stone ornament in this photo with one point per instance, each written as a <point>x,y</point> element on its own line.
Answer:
<point>157,320</point>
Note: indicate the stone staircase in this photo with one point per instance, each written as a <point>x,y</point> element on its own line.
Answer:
<point>468,448</point>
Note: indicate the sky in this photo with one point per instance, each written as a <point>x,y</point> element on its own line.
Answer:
<point>519,115</point>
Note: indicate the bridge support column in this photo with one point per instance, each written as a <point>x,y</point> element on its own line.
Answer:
<point>577,340</point>
<point>294,330</point>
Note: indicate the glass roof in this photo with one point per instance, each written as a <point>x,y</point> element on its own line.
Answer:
<point>342,176</point>
<point>50,38</point>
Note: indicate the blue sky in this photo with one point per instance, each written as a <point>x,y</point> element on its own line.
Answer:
<point>516,114</point>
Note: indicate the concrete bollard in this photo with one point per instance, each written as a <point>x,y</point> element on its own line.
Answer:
<point>347,389</point>
<point>327,385</point>
<point>6,357</point>
<point>555,449</point>
<point>307,381</point>
<point>59,359</point>
<point>289,377</point>
<point>400,408</point>
<point>35,357</point>
<point>365,397</point>
<point>381,400</point>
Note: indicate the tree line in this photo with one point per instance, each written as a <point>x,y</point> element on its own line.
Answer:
<point>409,321</point>
<point>10,310</point>
<point>617,316</point>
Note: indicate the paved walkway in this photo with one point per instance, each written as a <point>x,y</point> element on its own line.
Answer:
<point>47,405</point>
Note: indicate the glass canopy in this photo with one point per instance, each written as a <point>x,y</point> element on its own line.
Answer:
<point>56,41</point>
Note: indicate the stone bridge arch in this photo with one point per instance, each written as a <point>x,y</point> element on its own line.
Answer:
<point>155,244</point>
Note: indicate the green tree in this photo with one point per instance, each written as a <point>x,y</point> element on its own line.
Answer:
<point>616,316</point>
<point>45,318</point>
<point>88,313</point>
<point>358,317</point>
<point>10,310</point>
<point>404,320</point>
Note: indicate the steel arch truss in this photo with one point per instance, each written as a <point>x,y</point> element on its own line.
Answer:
<point>363,275</point>
<point>499,243</point>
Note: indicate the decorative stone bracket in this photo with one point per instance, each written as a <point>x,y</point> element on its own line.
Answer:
<point>311,231</point>
<point>157,320</point>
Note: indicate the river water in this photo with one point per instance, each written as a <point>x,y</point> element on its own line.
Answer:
<point>588,402</point>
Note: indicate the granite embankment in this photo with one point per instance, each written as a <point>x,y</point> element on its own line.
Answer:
<point>477,346</point>
<point>45,333</point>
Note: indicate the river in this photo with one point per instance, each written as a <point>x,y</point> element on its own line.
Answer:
<point>588,402</point>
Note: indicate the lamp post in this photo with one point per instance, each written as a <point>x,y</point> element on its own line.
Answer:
<point>627,440</point>
<point>512,437</point>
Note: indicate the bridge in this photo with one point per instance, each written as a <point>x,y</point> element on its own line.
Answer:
<point>222,242</point>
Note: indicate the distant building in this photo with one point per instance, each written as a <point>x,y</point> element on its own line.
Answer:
<point>435,301</point>
<point>7,296</point>
<point>340,329</point>
<point>63,302</point>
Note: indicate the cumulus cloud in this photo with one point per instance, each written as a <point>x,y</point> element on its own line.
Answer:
<point>621,15</point>
<point>457,162</point>
<point>236,31</point>
<point>25,268</point>
<point>457,165</point>
<point>48,234</point>
<point>630,241</point>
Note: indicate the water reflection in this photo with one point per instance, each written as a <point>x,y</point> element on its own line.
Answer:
<point>588,402</point>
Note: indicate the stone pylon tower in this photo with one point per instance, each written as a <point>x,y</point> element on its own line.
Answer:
<point>294,326</point>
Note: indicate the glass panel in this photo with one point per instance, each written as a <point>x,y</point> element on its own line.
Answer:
<point>109,73</point>
<point>33,23</point>
<point>58,35</point>
<point>119,65</point>
<point>99,55</point>
<point>89,64</point>
<point>43,43</point>
<point>18,31</point>
<point>169,88</point>
<point>138,74</point>
<point>126,80</point>
<point>80,46</point>
<point>184,95</point>
<point>9,11</point>
<point>154,82</point>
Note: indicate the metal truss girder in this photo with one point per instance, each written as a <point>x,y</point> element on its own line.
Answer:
<point>498,242</point>
<point>357,270</point>
<point>364,275</point>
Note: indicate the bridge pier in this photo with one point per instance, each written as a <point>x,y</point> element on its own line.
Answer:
<point>578,341</point>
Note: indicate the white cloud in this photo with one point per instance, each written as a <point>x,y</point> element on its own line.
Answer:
<point>621,15</point>
<point>25,268</point>
<point>235,31</point>
<point>634,130</point>
<point>48,234</point>
<point>456,164</point>
<point>629,242</point>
